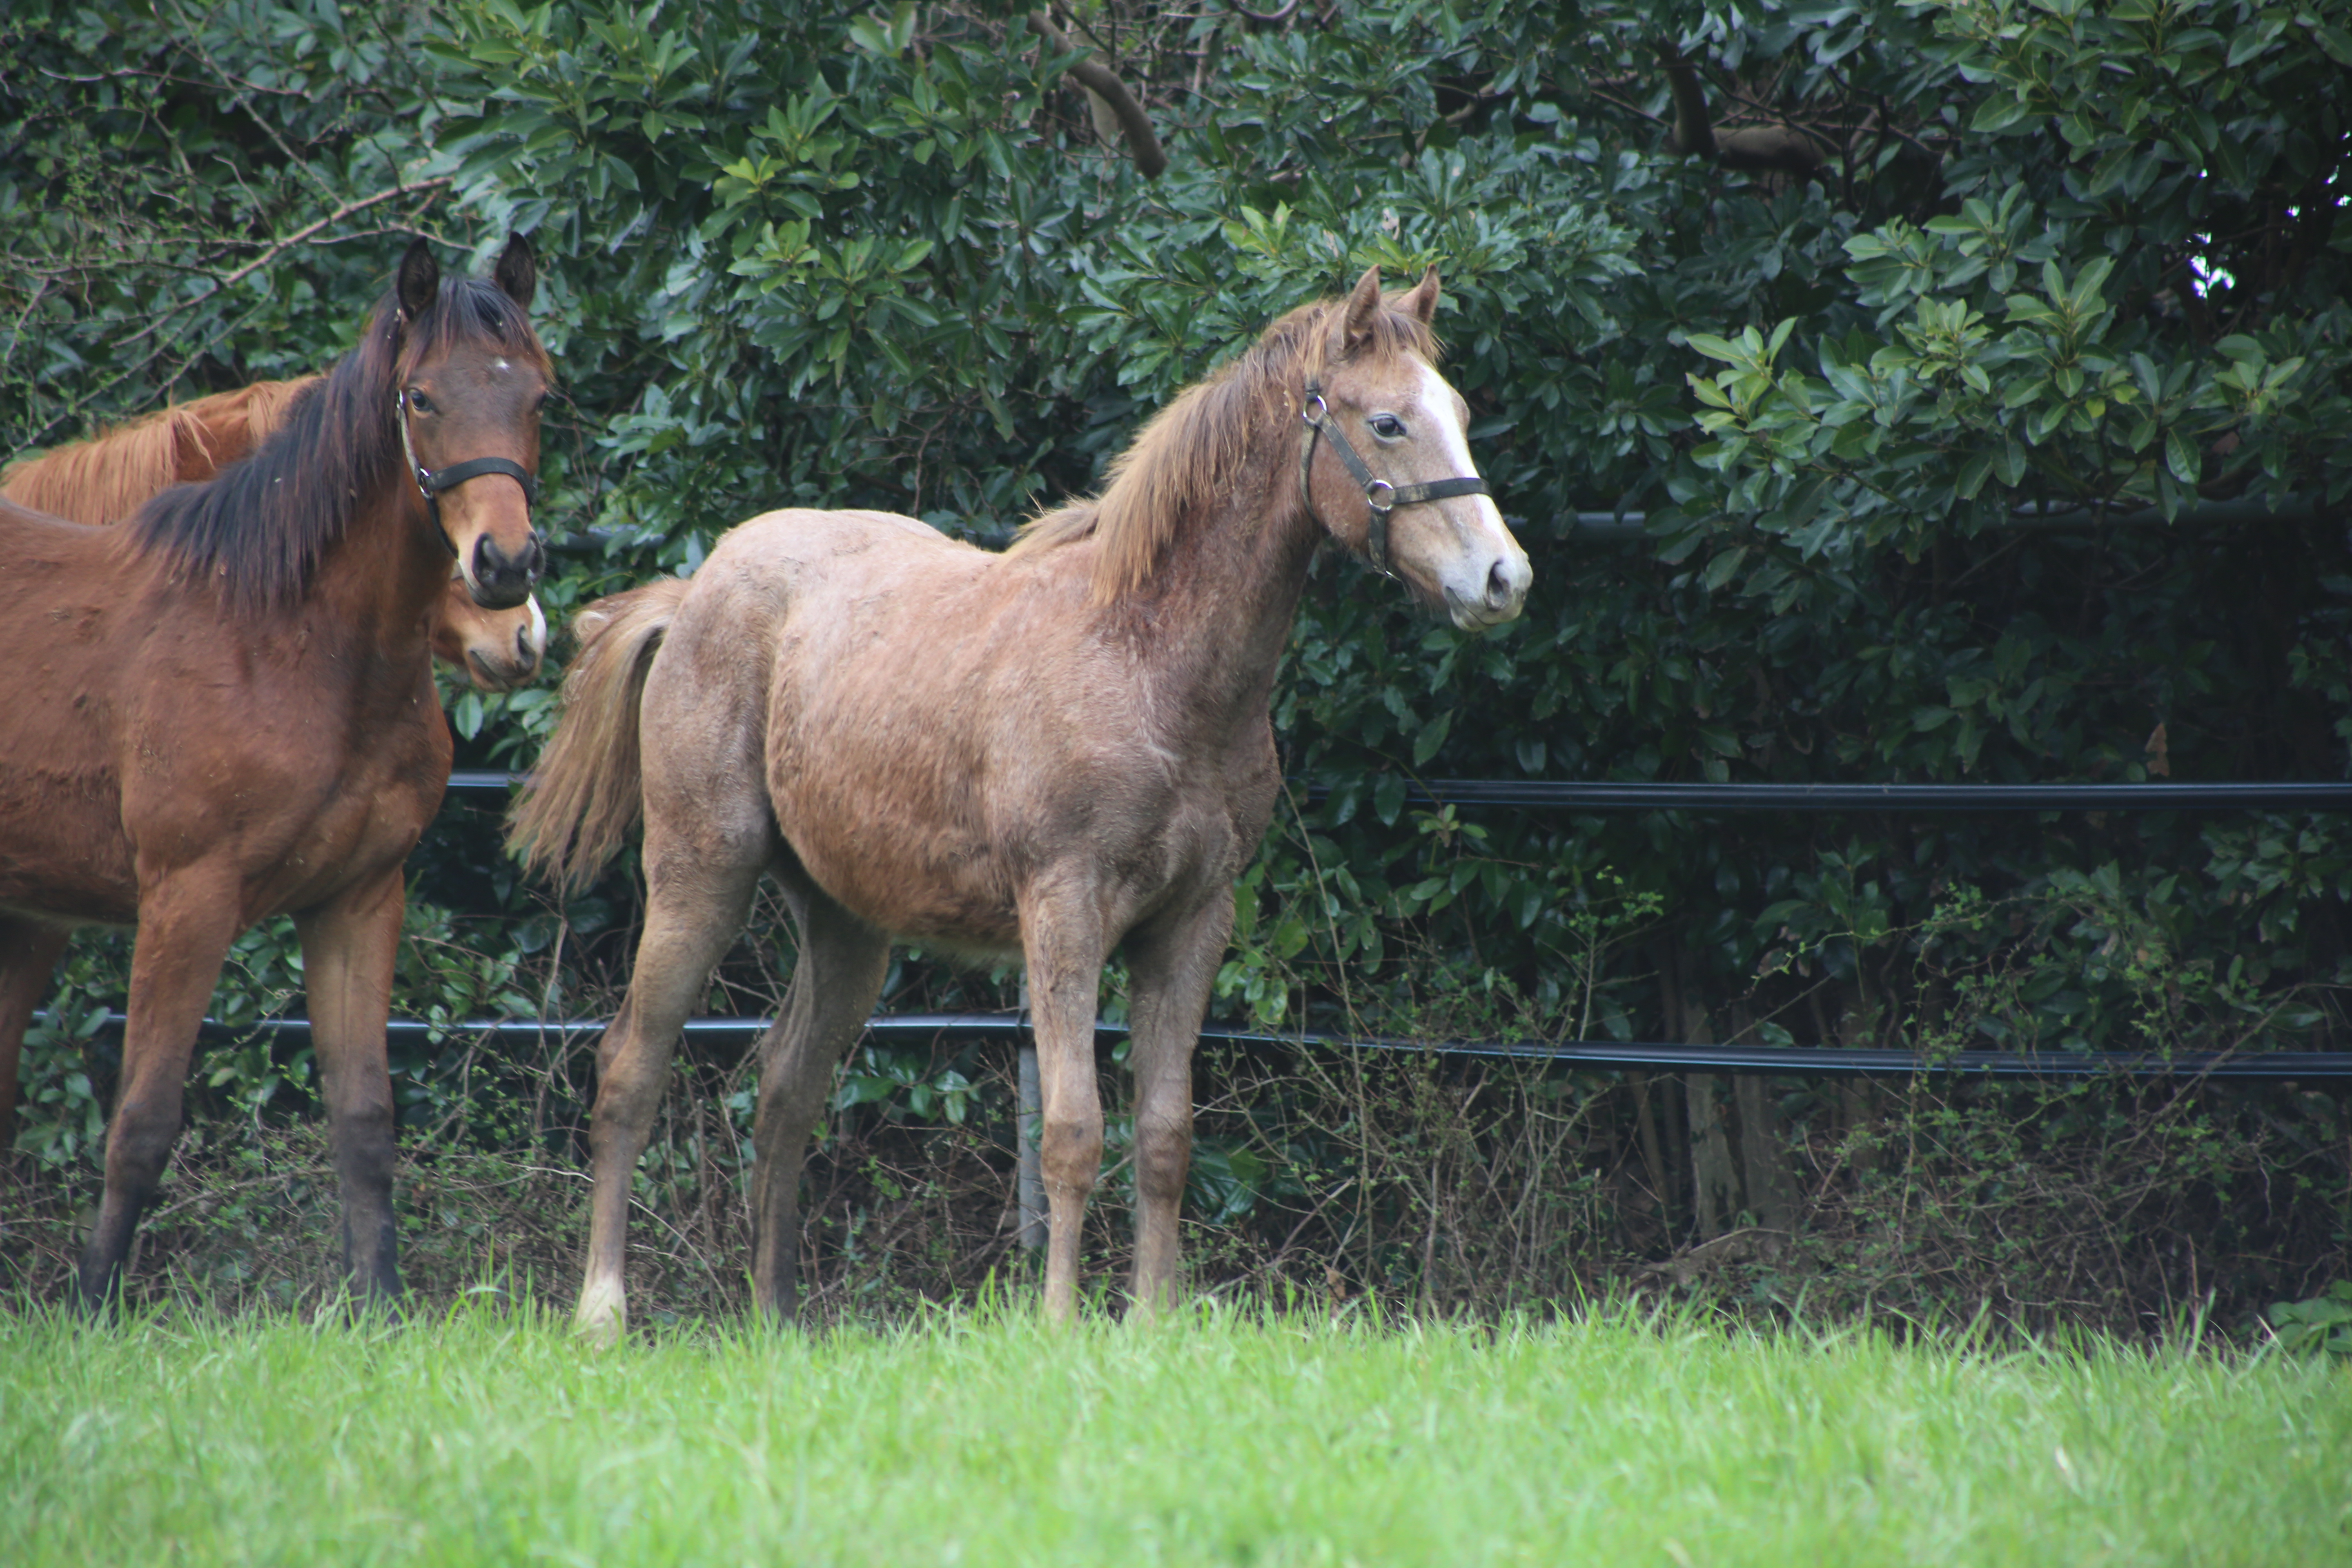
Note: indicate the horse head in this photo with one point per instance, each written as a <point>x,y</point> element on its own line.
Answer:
<point>1386,463</point>
<point>472,378</point>
<point>499,650</point>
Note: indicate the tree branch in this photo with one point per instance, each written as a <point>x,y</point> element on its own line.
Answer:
<point>1751,149</point>
<point>278,247</point>
<point>1097,79</point>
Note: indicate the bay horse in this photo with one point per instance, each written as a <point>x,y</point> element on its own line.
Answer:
<point>1050,753</point>
<point>223,710</point>
<point>105,477</point>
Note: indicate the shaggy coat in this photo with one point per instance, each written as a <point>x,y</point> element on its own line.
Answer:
<point>1051,753</point>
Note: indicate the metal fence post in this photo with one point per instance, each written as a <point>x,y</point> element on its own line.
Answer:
<point>1029,1181</point>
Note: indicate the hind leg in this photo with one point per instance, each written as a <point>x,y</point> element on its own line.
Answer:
<point>28,954</point>
<point>349,948</point>
<point>185,924</point>
<point>843,963</point>
<point>701,878</point>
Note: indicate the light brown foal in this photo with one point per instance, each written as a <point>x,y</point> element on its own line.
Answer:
<point>1054,752</point>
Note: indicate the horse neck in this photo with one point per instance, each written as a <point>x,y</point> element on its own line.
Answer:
<point>376,584</point>
<point>1226,592</point>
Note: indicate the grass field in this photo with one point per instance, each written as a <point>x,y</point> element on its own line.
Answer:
<point>980,1437</point>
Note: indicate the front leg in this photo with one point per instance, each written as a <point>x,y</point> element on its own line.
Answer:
<point>1173,963</point>
<point>186,920</point>
<point>1061,937</point>
<point>350,946</point>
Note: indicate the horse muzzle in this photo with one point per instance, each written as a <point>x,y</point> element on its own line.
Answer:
<point>500,581</point>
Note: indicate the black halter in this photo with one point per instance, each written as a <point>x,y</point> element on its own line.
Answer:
<point>431,482</point>
<point>1317,417</point>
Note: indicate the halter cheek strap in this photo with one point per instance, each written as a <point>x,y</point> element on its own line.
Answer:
<point>431,482</point>
<point>1380,498</point>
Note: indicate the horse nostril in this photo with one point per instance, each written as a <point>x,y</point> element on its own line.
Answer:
<point>1498,584</point>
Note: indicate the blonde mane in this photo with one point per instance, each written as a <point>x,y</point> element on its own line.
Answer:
<point>1191,451</point>
<point>106,477</point>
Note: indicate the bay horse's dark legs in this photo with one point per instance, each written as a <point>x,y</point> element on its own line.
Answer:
<point>1172,964</point>
<point>185,926</point>
<point>348,949</point>
<point>28,955</point>
<point>701,894</point>
<point>843,963</point>
<point>1061,934</point>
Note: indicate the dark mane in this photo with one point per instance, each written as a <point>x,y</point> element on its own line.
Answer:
<point>1191,452</point>
<point>261,528</point>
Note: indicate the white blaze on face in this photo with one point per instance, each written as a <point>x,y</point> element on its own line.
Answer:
<point>1485,582</point>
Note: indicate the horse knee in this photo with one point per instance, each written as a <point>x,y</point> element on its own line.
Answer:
<point>1069,1150</point>
<point>1163,1156</point>
<point>629,1089</point>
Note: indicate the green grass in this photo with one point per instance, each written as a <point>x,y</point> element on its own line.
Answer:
<point>980,1437</point>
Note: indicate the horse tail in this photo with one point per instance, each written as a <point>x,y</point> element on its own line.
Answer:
<point>578,805</point>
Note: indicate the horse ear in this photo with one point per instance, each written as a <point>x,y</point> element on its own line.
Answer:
<point>517,273</point>
<point>1422,300</point>
<point>1363,307</point>
<point>419,281</point>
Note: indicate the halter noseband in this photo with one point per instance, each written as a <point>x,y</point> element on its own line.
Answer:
<point>1317,413</point>
<point>431,482</point>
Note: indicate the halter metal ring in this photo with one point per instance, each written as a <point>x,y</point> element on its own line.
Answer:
<point>1371,499</point>
<point>1315,411</point>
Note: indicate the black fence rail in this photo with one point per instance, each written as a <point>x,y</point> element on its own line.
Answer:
<point>1599,1056</point>
<point>1650,1055</point>
<point>1548,794</point>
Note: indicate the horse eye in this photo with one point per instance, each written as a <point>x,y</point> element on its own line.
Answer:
<point>1387,426</point>
<point>418,403</point>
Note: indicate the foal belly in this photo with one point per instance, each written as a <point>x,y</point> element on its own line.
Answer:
<point>901,857</point>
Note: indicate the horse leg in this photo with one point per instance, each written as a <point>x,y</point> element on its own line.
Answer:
<point>701,894</point>
<point>1172,966</point>
<point>28,954</point>
<point>348,949</point>
<point>1062,937</point>
<point>185,926</point>
<point>842,965</point>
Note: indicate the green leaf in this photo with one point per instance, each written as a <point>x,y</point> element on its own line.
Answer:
<point>2181,457</point>
<point>1431,736</point>
<point>1714,347</point>
<point>1972,474</point>
<point>1720,569</point>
